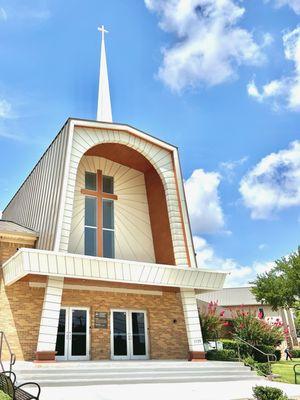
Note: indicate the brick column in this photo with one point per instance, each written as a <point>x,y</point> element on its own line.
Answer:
<point>49,319</point>
<point>192,323</point>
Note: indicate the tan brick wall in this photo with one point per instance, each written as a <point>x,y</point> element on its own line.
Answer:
<point>21,307</point>
<point>20,315</point>
<point>167,340</point>
<point>8,249</point>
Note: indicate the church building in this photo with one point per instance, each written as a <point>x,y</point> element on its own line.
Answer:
<point>96,253</point>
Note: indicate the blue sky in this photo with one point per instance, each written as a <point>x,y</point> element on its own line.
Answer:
<point>218,78</point>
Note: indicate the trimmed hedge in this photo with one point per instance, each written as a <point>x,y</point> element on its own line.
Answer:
<point>221,355</point>
<point>268,393</point>
<point>259,357</point>
<point>261,368</point>
<point>295,353</point>
<point>229,344</point>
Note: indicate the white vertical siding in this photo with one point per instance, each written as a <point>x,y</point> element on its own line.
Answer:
<point>36,203</point>
<point>50,314</point>
<point>192,322</point>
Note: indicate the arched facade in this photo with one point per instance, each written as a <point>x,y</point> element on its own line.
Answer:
<point>84,139</point>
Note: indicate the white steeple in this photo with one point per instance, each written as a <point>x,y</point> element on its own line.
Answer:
<point>104,105</point>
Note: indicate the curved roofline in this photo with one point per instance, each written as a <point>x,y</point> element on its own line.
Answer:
<point>74,120</point>
<point>122,124</point>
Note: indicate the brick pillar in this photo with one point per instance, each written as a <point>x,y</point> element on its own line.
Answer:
<point>192,323</point>
<point>49,319</point>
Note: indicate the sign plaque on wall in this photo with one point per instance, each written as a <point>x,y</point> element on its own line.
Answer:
<point>100,320</point>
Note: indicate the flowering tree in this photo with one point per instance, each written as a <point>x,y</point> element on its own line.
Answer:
<point>212,322</point>
<point>247,326</point>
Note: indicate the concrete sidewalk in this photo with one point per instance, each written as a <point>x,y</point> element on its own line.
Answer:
<point>191,391</point>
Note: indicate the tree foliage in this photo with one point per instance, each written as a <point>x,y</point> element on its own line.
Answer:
<point>211,322</point>
<point>281,286</point>
<point>253,330</point>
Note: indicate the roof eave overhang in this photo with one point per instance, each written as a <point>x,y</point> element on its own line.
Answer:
<point>122,127</point>
<point>16,237</point>
<point>41,262</point>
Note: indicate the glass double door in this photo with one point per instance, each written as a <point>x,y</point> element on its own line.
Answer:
<point>129,335</point>
<point>72,341</point>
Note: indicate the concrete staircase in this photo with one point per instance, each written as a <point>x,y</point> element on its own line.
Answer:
<point>133,372</point>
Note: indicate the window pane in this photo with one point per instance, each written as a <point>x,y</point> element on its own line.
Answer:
<point>107,184</point>
<point>91,181</point>
<point>108,214</point>
<point>108,244</point>
<point>90,211</point>
<point>90,246</point>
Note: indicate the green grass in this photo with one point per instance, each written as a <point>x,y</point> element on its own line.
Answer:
<point>285,370</point>
<point>4,396</point>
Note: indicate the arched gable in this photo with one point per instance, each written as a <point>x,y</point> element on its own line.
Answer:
<point>84,138</point>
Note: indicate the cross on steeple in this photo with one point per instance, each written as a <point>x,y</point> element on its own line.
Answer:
<point>102,30</point>
<point>104,106</point>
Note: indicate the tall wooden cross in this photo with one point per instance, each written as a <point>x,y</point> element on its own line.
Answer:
<point>100,195</point>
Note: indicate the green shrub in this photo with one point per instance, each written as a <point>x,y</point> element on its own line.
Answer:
<point>261,368</point>
<point>259,357</point>
<point>221,355</point>
<point>4,396</point>
<point>245,350</point>
<point>295,353</point>
<point>278,354</point>
<point>268,393</point>
<point>250,362</point>
<point>231,344</point>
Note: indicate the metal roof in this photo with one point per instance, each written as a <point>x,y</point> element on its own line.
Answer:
<point>230,297</point>
<point>11,228</point>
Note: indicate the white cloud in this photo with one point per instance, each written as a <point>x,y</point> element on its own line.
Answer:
<point>262,246</point>
<point>283,92</point>
<point>262,267</point>
<point>203,202</point>
<point>228,168</point>
<point>210,43</point>
<point>5,109</point>
<point>12,136</point>
<point>293,4</point>
<point>3,14</point>
<point>274,183</point>
<point>240,275</point>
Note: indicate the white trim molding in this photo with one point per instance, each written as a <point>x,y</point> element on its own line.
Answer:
<point>65,265</point>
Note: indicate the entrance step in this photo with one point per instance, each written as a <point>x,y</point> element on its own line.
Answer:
<point>117,373</point>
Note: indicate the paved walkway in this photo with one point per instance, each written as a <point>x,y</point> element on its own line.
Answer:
<point>178,391</point>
